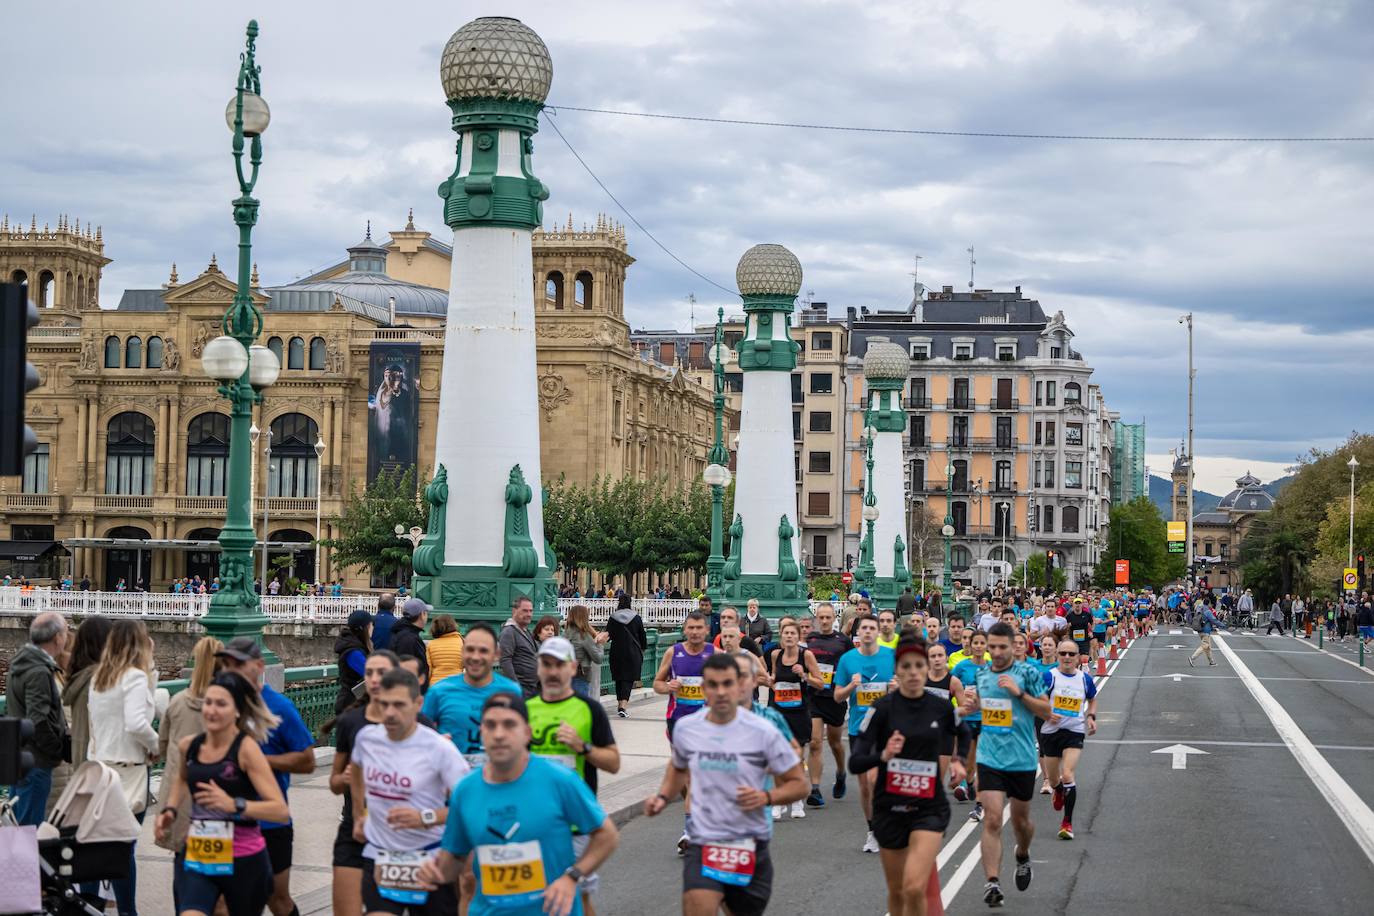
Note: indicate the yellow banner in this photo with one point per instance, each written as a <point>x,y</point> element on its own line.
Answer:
<point>1178,531</point>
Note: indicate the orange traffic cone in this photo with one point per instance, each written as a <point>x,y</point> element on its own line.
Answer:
<point>1101,663</point>
<point>934,905</point>
<point>1113,652</point>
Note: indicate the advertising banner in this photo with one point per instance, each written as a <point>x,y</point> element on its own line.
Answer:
<point>1123,572</point>
<point>393,406</point>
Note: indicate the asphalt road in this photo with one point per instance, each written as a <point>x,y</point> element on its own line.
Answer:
<point>1245,827</point>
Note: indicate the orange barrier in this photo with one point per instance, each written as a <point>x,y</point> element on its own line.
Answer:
<point>934,906</point>
<point>1101,663</point>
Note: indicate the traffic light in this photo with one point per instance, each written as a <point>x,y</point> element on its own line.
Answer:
<point>14,763</point>
<point>1359,570</point>
<point>17,377</point>
<point>1049,569</point>
<point>849,561</point>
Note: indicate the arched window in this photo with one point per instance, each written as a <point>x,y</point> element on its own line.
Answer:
<point>80,290</point>
<point>203,563</point>
<point>274,344</point>
<point>294,470</point>
<point>959,513</point>
<point>207,454</point>
<point>317,353</point>
<point>1003,553</point>
<point>132,564</point>
<point>133,353</point>
<point>553,290</point>
<point>129,440</point>
<point>1068,519</point>
<point>959,558</point>
<point>295,354</point>
<point>112,350</point>
<point>19,276</point>
<point>36,470</point>
<point>582,290</point>
<point>47,289</point>
<point>1073,393</point>
<point>69,290</point>
<point>154,352</point>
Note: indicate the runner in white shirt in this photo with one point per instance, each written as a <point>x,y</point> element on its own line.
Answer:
<point>1073,704</point>
<point>401,779</point>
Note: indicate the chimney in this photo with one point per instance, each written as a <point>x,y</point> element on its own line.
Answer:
<point>391,310</point>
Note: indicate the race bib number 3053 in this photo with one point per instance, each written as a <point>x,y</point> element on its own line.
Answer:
<point>512,874</point>
<point>912,778</point>
<point>728,863</point>
<point>395,874</point>
<point>787,694</point>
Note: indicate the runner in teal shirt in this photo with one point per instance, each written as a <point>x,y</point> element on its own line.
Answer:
<point>455,703</point>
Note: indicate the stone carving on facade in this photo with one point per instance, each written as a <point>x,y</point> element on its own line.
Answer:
<point>567,329</point>
<point>171,356</point>
<point>204,331</point>
<point>335,355</point>
<point>90,355</point>
<point>552,393</point>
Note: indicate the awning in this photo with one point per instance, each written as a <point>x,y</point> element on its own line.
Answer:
<point>28,551</point>
<point>171,544</point>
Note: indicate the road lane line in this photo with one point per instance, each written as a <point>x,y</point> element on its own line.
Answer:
<point>956,883</point>
<point>1353,812</point>
<point>950,848</point>
<point>1320,747</point>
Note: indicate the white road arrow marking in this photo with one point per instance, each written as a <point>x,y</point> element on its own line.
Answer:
<point>1175,632</point>
<point>1178,678</point>
<point>1180,754</point>
<point>1176,646</point>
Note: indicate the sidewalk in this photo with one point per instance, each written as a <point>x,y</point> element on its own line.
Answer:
<point>315,810</point>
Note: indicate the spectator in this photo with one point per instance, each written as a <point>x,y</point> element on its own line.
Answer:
<point>384,620</point>
<point>351,649</point>
<point>546,627</point>
<point>519,658</point>
<point>445,650</point>
<point>182,720</point>
<point>122,712</point>
<point>587,645</point>
<point>906,603</point>
<point>32,693</point>
<point>756,626</point>
<point>87,646</point>
<point>85,583</point>
<point>628,645</point>
<point>405,635</point>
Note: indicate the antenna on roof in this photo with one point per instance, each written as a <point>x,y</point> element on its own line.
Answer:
<point>692,300</point>
<point>971,264</point>
<point>915,270</point>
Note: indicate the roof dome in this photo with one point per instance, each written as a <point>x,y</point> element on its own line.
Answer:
<point>367,281</point>
<point>1249,496</point>
<point>496,57</point>
<point>884,360</point>
<point>768,270</point>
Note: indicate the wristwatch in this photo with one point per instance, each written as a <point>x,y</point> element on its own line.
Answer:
<point>428,817</point>
<point>575,873</point>
<point>240,806</point>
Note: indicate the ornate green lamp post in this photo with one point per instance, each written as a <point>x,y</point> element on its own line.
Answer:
<point>243,369</point>
<point>867,570</point>
<point>717,473</point>
<point>947,589</point>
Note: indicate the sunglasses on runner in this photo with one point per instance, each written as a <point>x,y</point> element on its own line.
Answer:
<point>1067,654</point>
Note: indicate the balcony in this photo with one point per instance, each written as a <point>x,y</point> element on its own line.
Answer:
<point>1006,404</point>
<point>918,442</point>
<point>286,505</point>
<point>215,505</point>
<point>968,444</point>
<point>29,502</point>
<point>918,403</point>
<point>115,503</point>
<point>959,404</point>
<point>1005,444</point>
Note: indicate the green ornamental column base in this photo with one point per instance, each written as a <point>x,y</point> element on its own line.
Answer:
<point>777,598</point>
<point>884,592</point>
<point>484,593</point>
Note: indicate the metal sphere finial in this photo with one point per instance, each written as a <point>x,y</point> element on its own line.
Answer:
<point>496,57</point>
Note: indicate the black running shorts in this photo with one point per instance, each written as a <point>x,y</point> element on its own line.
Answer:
<point>1053,744</point>
<point>1017,784</point>
<point>749,900</point>
<point>892,829</point>
<point>825,708</point>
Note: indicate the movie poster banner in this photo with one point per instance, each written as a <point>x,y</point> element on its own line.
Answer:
<point>393,406</point>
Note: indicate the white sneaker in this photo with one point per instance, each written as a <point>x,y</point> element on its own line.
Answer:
<point>777,812</point>
<point>871,844</point>
<point>798,810</point>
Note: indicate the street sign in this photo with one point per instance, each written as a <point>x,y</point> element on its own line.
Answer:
<point>1352,579</point>
<point>1176,547</point>
<point>1177,531</point>
<point>1123,572</point>
<point>846,577</point>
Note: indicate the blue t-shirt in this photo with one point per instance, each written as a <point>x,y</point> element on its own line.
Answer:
<point>1007,741</point>
<point>967,672</point>
<point>289,736</point>
<point>381,629</point>
<point>456,708</point>
<point>876,668</point>
<point>1100,619</point>
<point>518,823</point>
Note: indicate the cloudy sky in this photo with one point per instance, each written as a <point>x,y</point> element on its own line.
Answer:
<point>118,119</point>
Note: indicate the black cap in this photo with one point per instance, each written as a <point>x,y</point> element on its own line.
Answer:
<point>359,618</point>
<point>510,701</point>
<point>243,648</point>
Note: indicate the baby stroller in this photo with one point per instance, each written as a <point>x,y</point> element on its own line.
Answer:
<point>87,839</point>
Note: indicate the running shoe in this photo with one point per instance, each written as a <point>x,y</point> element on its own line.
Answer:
<point>1045,787</point>
<point>798,810</point>
<point>1058,801</point>
<point>777,812</point>
<point>1211,664</point>
<point>961,792</point>
<point>1066,831</point>
<point>622,714</point>
<point>815,799</point>
<point>1023,874</point>
<point>682,845</point>
<point>992,894</point>
<point>871,843</point>
<point>977,813</point>
<point>839,789</point>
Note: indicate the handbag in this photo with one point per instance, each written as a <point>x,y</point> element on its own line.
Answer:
<point>133,779</point>
<point>20,889</point>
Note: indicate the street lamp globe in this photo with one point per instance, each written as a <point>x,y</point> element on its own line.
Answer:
<point>1353,463</point>
<point>255,113</point>
<point>721,355</point>
<point>947,531</point>
<point>870,513</point>
<point>400,529</point>
<point>949,470</point>
<point>263,367</point>
<point>870,433</point>
<point>716,475</point>
<point>224,359</point>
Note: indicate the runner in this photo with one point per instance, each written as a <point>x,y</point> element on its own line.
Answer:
<point>289,748</point>
<point>953,640</point>
<point>1073,708</point>
<point>908,737</point>
<point>728,752</point>
<point>863,675</point>
<point>966,665</point>
<point>1010,695</point>
<point>1103,625</point>
<point>231,788</point>
<point>730,641</point>
<point>887,629</point>
<point>399,783</point>
<point>795,675</point>
<point>827,715</point>
<point>679,676</point>
<point>1080,623</point>
<point>573,730</point>
<point>455,703</point>
<point>515,817</point>
<point>1047,660</point>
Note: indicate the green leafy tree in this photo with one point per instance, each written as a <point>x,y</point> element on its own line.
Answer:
<point>1137,532</point>
<point>566,520</point>
<point>1333,538</point>
<point>1035,574</point>
<point>367,527</point>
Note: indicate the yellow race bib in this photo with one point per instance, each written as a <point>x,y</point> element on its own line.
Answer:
<point>690,690</point>
<point>996,713</point>
<point>511,873</point>
<point>870,692</point>
<point>210,847</point>
<point>1068,704</point>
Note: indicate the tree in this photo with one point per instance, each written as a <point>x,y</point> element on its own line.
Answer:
<point>1333,538</point>
<point>1137,532</point>
<point>1035,574</point>
<point>367,527</point>
<point>925,543</point>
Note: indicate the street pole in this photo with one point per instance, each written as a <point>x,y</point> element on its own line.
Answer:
<point>243,370</point>
<point>319,462</point>
<point>947,530</point>
<point>1353,463</point>
<point>266,504</point>
<point>717,473</point>
<point>1192,459</point>
<point>867,562</point>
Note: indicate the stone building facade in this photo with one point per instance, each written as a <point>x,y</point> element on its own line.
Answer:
<point>1218,533</point>
<point>130,470</point>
